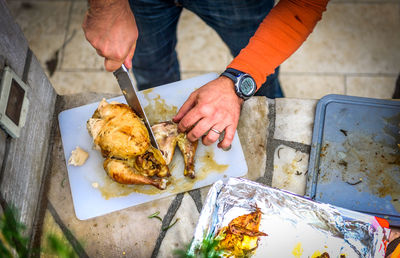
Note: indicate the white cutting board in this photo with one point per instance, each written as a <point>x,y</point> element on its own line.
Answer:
<point>95,194</point>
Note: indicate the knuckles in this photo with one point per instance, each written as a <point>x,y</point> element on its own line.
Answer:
<point>209,139</point>
<point>182,126</point>
<point>196,134</point>
<point>206,110</point>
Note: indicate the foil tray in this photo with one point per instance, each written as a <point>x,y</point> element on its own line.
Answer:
<point>296,226</point>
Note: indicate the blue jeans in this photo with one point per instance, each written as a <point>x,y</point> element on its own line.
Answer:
<point>155,61</point>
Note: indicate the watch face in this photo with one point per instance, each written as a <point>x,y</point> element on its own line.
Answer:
<point>247,86</point>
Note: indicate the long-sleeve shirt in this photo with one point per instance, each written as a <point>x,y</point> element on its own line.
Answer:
<point>280,34</point>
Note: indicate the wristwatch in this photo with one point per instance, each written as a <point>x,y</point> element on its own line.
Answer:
<point>245,85</point>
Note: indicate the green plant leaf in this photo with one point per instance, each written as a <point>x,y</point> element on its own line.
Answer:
<point>170,226</point>
<point>207,249</point>
<point>57,246</point>
<point>12,232</point>
<point>4,252</point>
<point>12,238</point>
<point>155,215</point>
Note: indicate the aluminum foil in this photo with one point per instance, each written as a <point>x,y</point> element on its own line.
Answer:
<point>296,226</point>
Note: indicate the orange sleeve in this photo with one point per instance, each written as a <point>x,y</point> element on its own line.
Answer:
<point>280,34</point>
<point>396,252</point>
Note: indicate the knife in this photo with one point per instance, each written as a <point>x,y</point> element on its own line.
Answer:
<point>128,89</point>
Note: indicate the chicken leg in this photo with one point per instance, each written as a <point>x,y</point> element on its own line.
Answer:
<point>122,173</point>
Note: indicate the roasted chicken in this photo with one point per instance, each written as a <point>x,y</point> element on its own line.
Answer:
<point>124,142</point>
<point>240,237</point>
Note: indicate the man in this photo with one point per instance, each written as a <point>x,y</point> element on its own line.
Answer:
<point>259,35</point>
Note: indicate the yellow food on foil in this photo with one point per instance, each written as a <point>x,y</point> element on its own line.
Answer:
<point>240,237</point>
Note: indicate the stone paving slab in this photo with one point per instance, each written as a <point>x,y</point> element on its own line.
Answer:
<point>294,120</point>
<point>80,81</point>
<point>43,24</point>
<point>375,87</point>
<point>180,235</point>
<point>311,86</point>
<point>253,133</point>
<point>290,169</point>
<point>86,58</point>
<point>352,38</point>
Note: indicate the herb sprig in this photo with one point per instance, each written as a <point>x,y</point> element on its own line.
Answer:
<point>207,249</point>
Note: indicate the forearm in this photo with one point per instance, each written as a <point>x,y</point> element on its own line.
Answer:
<point>101,4</point>
<point>281,33</point>
<point>107,7</point>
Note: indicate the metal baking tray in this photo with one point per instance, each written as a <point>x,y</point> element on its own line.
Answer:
<point>355,156</point>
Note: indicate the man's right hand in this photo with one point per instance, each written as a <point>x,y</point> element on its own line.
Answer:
<point>110,27</point>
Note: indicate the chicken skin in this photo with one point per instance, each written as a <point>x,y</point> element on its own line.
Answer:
<point>122,172</point>
<point>124,142</point>
<point>167,137</point>
<point>118,131</point>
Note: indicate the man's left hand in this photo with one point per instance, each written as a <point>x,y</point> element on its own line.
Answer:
<point>213,106</point>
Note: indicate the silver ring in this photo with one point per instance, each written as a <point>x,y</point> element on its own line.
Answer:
<point>215,131</point>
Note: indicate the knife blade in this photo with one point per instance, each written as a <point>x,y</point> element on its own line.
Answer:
<point>128,89</point>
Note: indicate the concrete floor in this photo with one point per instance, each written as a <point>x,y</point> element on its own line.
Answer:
<point>354,50</point>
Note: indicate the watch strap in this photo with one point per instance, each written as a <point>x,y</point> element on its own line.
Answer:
<point>230,76</point>
<point>234,71</point>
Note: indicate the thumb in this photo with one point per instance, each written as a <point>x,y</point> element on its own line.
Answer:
<point>188,105</point>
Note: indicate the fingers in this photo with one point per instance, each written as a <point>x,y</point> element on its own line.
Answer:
<point>213,136</point>
<point>128,59</point>
<point>113,59</point>
<point>112,50</point>
<point>229,134</point>
<point>215,105</point>
<point>111,65</point>
<point>200,129</point>
<point>115,53</point>
<point>191,120</point>
<point>188,105</point>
